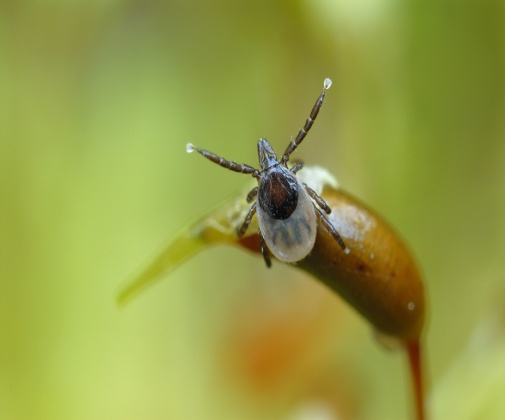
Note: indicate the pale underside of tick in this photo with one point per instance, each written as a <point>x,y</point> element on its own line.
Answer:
<point>288,210</point>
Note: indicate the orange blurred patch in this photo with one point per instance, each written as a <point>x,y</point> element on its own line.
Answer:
<point>273,344</point>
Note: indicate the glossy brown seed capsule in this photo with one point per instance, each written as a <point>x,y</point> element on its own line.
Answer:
<point>376,274</point>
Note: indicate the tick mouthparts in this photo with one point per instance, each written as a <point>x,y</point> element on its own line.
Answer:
<point>190,147</point>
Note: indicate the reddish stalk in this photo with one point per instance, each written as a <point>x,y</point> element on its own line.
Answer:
<point>416,369</point>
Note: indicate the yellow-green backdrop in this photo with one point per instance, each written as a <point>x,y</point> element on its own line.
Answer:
<point>97,102</point>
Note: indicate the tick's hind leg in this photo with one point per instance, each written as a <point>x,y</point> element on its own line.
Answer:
<point>265,251</point>
<point>247,221</point>
<point>329,227</point>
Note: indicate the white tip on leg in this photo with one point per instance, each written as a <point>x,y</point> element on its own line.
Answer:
<point>327,83</point>
<point>190,148</point>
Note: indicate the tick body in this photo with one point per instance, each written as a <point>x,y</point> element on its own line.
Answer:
<point>288,211</point>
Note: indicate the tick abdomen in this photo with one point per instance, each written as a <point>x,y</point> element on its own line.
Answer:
<point>290,239</point>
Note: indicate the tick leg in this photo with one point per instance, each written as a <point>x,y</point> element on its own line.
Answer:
<point>252,194</point>
<point>296,167</point>
<point>247,220</point>
<point>308,124</point>
<point>232,166</point>
<point>329,227</point>
<point>320,202</point>
<point>265,251</point>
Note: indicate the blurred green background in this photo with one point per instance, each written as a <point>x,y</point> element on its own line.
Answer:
<point>97,102</point>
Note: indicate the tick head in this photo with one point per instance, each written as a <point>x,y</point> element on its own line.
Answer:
<point>266,155</point>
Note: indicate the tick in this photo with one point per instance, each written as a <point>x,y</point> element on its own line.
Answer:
<point>288,210</point>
